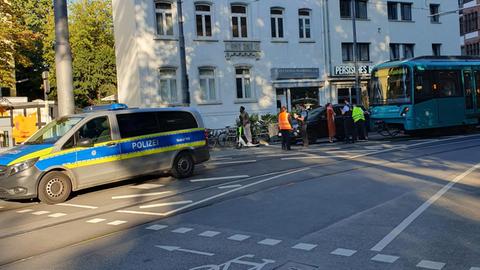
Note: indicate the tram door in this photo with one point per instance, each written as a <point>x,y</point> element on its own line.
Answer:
<point>477,90</point>
<point>469,91</point>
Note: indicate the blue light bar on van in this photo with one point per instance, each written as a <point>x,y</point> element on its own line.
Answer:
<point>110,107</point>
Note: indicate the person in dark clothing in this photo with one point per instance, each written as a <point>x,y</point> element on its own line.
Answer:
<point>302,119</point>
<point>348,123</point>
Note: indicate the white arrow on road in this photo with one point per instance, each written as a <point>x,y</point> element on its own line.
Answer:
<point>173,248</point>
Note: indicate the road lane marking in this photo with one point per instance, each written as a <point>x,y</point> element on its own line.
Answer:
<point>230,191</point>
<point>147,186</point>
<point>116,222</point>
<point>474,268</point>
<point>316,157</point>
<point>404,224</point>
<point>229,186</point>
<point>219,178</point>
<point>1,207</point>
<point>304,246</point>
<point>343,252</point>
<point>238,237</point>
<point>140,195</point>
<point>25,211</point>
<point>57,215</point>
<point>141,213</point>
<point>232,162</point>
<point>156,227</point>
<point>164,204</point>
<point>182,230</point>
<point>269,242</point>
<point>430,265</point>
<point>384,258</point>
<point>96,220</point>
<point>209,234</point>
<point>77,205</point>
<point>221,158</point>
<point>38,213</point>
<point>173,248</point>
<point>281,155</point>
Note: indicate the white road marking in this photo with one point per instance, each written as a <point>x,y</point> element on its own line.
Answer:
<point>304,246</point>
<point>430,265</point>
<point>219,178</point>
<point>172,248</point>
<point>117,222</point>
<point>404,224</point>
<point>209,234</point>
<point>229,186</point>
<point>317,157</point>
<point>25,211</point>
<point>156,227</point>
<point>57,215</point>
<point>281,155</point>
<point>164,204</point>
<point>269,242</point>
<point>228,192</point>
<point>147,186</point>
<point>238,237</point>
<point>78,205</point>
<point>141,213</point>
<point>182,230</point>
<point>232,162</point>
<point>384,258</point>
<point>38,213</point>
<point>221,158</point>
<point>474,268</point>
<point>1,207</point>
<point>96,220</point>
<point>140,195</point>
<point>343,252</point>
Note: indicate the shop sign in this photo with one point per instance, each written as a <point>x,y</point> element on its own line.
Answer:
<point>295,73</point>
<point>350,70</point>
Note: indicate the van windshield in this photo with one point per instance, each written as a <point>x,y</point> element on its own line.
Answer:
<point>52,132</point>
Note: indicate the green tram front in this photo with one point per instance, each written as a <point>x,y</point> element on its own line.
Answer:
<point>425,92</point>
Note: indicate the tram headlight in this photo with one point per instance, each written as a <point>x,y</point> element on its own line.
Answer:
<point>405,111</point>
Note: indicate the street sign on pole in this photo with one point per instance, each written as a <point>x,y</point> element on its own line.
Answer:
<point>46,90</point>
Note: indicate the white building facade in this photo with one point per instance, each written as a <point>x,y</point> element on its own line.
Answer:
<point>262,54</point>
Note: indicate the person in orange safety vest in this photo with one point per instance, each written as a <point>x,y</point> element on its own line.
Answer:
<point>285,127</point>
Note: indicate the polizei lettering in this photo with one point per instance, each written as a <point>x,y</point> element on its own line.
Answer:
<point>145,144</point>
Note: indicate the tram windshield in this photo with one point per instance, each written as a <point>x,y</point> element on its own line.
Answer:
<point>391,86</point>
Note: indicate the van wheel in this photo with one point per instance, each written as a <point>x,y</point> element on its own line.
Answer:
<point>55,187</point>
<point>183,166</point>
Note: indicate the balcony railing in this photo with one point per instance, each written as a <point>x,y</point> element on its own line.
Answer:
<point>242,48</point>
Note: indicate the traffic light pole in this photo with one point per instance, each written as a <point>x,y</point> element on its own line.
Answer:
<point>63,60</point>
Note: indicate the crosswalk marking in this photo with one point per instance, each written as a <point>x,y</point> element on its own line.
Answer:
<point>343,252</point>
<point>182,230</point>
<point>269,242</point>
<point>430,265</point>
<point>38,213</point>
<point>384,258</point>
<point>25,211</point>
<point>117,222</point>
<point>96,220</point>
<point>304,246</point>
<point>156,227</point>
<point>209,234</point>
<point>57,215</point>
<point>238,237</point>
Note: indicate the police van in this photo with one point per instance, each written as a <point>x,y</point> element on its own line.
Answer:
<point>102,146</point>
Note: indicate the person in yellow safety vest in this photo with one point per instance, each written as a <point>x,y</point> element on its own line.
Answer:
<point>285,127</point>
<point>358,116</point>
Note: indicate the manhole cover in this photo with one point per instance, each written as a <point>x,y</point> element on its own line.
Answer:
<point>296,266</point>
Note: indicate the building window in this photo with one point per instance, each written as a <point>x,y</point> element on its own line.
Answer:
<point>394,51</point>
<point>408,50</point>
<point>243,82</point>
<point>360,9</point>
<point>406,11</point>
<point>472,49</point>
<point>363,52</point>
<point>164,17</point>
<point>304,22</point>
<point>168,85</point>
<point>276,21</point>
<point>436,49</point>
<point>239,21</point>
<point>392,10</point>
<point>203,18</point>
<point>469,22</point>
<point>207,84</point>
<point>434,9</point>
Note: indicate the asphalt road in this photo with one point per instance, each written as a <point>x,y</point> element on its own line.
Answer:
<point>391,204</point>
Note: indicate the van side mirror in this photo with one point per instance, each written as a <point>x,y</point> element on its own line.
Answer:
<point>85,142</point>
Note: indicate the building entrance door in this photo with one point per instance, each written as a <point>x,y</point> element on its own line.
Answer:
<point>307,96</point>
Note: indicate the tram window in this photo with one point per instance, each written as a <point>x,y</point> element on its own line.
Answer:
<point>448,83</point>
<point>423,86</point>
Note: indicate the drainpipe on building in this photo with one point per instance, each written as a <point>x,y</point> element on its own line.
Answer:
<point>355,60</point>
<point>183,59</point>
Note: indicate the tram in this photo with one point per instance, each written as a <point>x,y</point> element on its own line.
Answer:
<point>424,93</point>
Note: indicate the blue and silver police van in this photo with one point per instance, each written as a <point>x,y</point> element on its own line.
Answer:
<point>102,146</point>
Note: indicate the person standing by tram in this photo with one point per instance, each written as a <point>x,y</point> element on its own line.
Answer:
<point>348,122</point>
<point>285,126</point>
<point>330,122</point>
<point>358,116</point>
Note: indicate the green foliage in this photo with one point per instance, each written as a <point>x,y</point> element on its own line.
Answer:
<point>269,118</point>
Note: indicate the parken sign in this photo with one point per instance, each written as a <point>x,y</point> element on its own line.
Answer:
<point>350,70</point>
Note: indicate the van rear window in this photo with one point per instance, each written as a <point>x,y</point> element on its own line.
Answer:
<point>145,123</point>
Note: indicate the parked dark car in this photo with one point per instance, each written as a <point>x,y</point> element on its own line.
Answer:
<point>317,123</point>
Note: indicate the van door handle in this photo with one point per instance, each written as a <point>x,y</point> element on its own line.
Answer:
<point>111,144</point>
